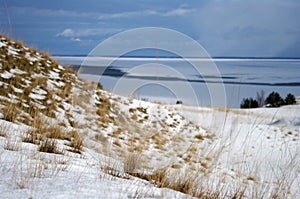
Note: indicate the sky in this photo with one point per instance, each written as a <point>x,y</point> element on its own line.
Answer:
<point>225,28</point>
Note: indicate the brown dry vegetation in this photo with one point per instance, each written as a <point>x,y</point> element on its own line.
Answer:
<point>27,83</point>
<point>10,112</point>
<point>132,163</point>
<point>76,141</point>
<point>35,76</point>
<point>191,183</point>
<point>49,146</point>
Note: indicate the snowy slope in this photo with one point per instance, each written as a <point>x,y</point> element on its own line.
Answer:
<point>42,101</point>
<point>259,147</point>
<point>109,146</point>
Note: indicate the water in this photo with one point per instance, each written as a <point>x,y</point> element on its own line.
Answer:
<point>172,79</point>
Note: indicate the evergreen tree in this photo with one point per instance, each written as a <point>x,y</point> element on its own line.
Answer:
<point>249,103</point>
<point>274,100</point>
<point>290,99</point>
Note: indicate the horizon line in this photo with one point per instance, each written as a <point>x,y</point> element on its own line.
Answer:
<point>147,56</point>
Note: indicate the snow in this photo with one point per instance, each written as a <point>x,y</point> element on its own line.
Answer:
<point>53,75</point>
<point>37,96</point>
<point>58,84</point>
<point>60,67</point>
<point>291,122</point>
<point>253,147</point>
<point>26,174</point>
<point>12,98</point>
<point>17,90</point>
<point>6,75</point>
<point>17,71</point>
<point>39,91</point>
<point>56,70</point>
<point>30,58</point>
<point>2,44</point>
<point>12,51</point>
<point>56,97</point>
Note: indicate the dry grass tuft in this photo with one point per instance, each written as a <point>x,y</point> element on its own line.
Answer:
<point>32,137</point>
<point>158,177</point>
<point>113,168</point>
<point>11,112</point>
<point>199,137</point>
<point>49,146</point>
<point>12,144</point>
<point>55,132</point>
<point>132,163</point>
<point>117,143</point>
<point>2,133</point>
<point>76,142</point>
<point>103,109</point>
<point>37,169</point>
<point>39,122</point>
<point>3,130</point>
<point>117,132</point>
<point>190,183</point>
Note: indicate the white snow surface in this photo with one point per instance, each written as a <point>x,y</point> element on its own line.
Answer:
<point>254,148</point>
<point>17,71</point>
<point>54,75</point>
<point>6,75</point>
<point>26,173</point>
<point>2,44</point>
<point>12,51</point>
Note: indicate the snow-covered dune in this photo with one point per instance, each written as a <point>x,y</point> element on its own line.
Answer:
<point>64,137</point>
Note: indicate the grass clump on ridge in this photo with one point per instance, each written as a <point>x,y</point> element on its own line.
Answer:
<point>49,146</point>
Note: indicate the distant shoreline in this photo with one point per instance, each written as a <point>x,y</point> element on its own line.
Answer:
<point>117,72</point>
<point>218,57</point>
<point>81,59</point>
